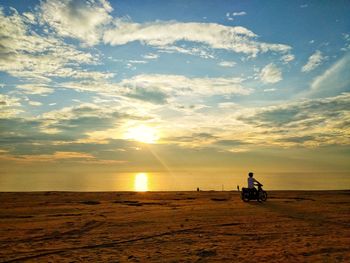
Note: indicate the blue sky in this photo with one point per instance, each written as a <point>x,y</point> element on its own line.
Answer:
<point>101,82</point>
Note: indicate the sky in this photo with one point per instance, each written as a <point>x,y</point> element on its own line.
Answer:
<point>170,86</point>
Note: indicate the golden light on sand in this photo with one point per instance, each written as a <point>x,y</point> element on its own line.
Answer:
<point>141,182</point>
<point>143,134</point>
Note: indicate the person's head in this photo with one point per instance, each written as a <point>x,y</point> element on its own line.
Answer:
<point>250,174</point>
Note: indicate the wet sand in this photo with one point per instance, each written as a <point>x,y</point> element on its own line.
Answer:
<point>292,226</point>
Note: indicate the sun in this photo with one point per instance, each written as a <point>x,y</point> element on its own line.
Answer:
<point>143,134</point>
<point>141,182</point>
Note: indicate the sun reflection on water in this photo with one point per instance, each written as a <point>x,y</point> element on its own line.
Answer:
<point>141,182</point>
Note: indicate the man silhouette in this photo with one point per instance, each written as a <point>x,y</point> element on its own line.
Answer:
<point>251,182</point>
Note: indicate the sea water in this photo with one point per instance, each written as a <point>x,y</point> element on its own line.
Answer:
<point>179,181</point>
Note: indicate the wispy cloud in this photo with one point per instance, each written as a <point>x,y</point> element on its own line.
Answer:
<point>177,85</point>
<point>202,51</point>
<point>242,13</point>
<point>287,58</point>
<point>37,89</point>
<point>35,103</point>
<point>100,87</point>
<point>58,156</point>
<point>230,16</point>
<point>9,106</point>
<point>347,42</point>
<point>334,80</point>
<point>314,61</point>
<point>162,34</point>
<point>228,64</point>
<point>159,88</point>
<point>150,56</point>
<point>271,74</point>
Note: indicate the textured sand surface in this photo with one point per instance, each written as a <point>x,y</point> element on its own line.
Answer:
<point>293,226</point>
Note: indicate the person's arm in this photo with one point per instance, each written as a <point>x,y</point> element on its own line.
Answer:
<point>256,181</point>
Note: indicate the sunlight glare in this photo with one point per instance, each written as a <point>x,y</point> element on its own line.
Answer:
<point>143,134</point>
<point>141,182</point>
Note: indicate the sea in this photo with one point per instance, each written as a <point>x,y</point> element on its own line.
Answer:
<point>168,181</point>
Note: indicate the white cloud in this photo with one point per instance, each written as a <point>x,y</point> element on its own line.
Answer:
<point>242,13</point>
<point>150,56</point>
<point>334,80</point>
<point>30,17</point>
<point>78,19</point>
<point>35,89</point>
<point>163,34</point>
<point>314,61</point>
<point>160,88</point>
<point>35,103</point>
<point>82,110</point>
<point>311,123</point>
<point>69,155</point>
<point>194,51</point>
<point>83,74</point>
<point>177,85</point>
<point>287,58</point>
<point>270,74</point>
<point>230,18</point>
<point>269,90</point>
<point>228,64</point>
<point>27,54</point>
<point>347,42</point>
<point>100,87</point>
<point>137,61</point>
<point>57,156</point>
<point>9,106</point>
<point>228,105</point>
<point>8,101</point>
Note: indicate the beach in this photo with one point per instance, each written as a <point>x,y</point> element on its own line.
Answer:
<point>204,226</point>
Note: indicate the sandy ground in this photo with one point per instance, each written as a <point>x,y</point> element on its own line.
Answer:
<point>291,226</point>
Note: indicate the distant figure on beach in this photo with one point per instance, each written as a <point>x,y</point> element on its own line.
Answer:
<point>252,182</point>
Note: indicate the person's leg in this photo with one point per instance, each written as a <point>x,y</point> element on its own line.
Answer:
<point>256,192</point>
<point>249,190</point>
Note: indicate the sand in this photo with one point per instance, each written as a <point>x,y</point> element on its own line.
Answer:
<point>292,226</point>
